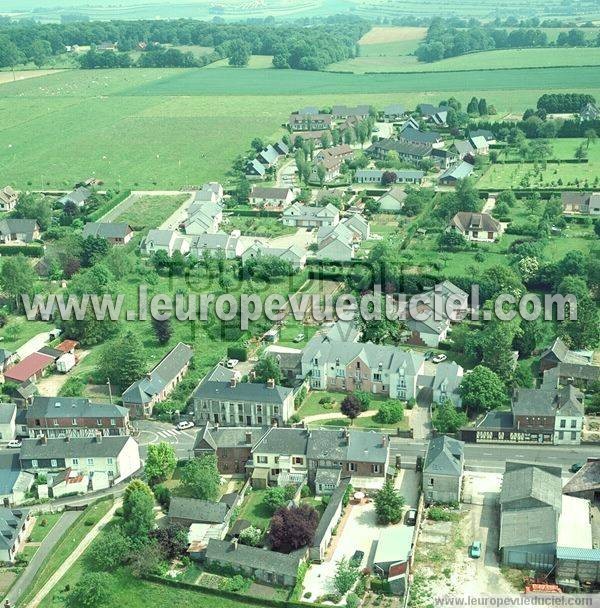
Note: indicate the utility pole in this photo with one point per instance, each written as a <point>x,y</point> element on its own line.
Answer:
<point>109,391</point>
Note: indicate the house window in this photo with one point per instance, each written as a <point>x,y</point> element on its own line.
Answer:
<point>276,409</point>
<point>53,463</point>
<point>573,435</point>
<point>561,435</point>
<point>55,422</point>
<point>109,461</point>
<point>352,466</point>
<point>99,421</point>
<point>74,421</point>
<point>375,468</point>
<point>377,377</point>
<point>113,422</point>
<point>261,459</point>
<point>259,419</point>
<point>259,409</point>
<point>563,423</point>
<point>90,461</point>
<point>74,461</point>
<point>573,424</point>
<point>34,464</point>
<point>431,481</point>
<point>298,460</point>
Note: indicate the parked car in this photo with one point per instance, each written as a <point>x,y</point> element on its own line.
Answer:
<point>15,443</point>
<point>231,363</point>
<point>184,424</point>
<point>357,558</point>
<point>429,355</point>
<point>299,338</point>
<point>410,519</point>
<point>475,549</point>
<point>575,467</point>
<point>439,358</point>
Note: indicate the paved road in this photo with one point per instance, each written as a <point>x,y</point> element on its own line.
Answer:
<point>151,432</point>
<point>62,525</point>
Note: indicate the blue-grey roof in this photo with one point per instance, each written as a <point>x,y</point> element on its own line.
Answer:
<point>242,391</point>
<point>106,230</point>
<point>77,196</point>
<point>283,441</point>
<point>74,447</point>
<point>11,521</point>
<point>422,137</point>
<point>73,407</point>
<point>198,511</point>
<point>460,171</point>
<point>330,511</point>
<point>583,555</point>
<point>7,412</point>
<point>444,456</point>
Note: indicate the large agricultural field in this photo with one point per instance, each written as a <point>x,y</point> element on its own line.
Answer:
<point>164,128</point>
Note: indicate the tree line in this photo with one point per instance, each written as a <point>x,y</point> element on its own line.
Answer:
<point>305,48</point>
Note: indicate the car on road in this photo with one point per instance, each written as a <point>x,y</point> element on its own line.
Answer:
<point>410,519</point>
<point>357,558</point>
<point>231,363</point>
<point>184,424</point>
<point>429,355</point>
<point>299,338</point>
<point>439,358</point>
<point>575,467</point>
<point>475,549</point>
<point>15,443</point>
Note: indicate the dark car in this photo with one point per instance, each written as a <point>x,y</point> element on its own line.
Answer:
<point>410,519</point>
<point>575,467</point>
<point>429,355</point>
<point>357,558</point>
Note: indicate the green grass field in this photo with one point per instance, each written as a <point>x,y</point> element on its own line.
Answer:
<point>167,128</point>
<point>151,211</point>
<point>43,524</point>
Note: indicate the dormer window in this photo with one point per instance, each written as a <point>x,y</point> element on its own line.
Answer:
<point>337,362</point>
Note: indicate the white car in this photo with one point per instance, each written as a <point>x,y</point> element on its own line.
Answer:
<point>439,358</point>
<point>231,363</point>
<point>184,424</point>
<point>15,443</point>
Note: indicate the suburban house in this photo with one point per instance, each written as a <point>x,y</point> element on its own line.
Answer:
<point>211,192</point>
<point>8,414</point>
<point>315,137</point>
<point>580,375</point>
<point>585,483</point>
<point>392,559</point>
<point>331,162</point>
<point>375,176</point>
<point>117,233</point>
<point>203,218</point>
<point>231,445</point>
<point>559,352</point>
<point>29,369</point>
<point>271,197</point>
<point>489,136</point>
<point>340,112</point>
<point>282,148</point>
<point>392,201</point>
<point>424,328</point>
<point>530,509</point>
<point>255,170</point>
<point>141,396</point>
<point>328,522</point>
<point>476,226</point>
<point>77,197</point>
<point>446,383</point>
<point>259,564</point>
<point>66,482</point>
<point>169,241</point>
<point>104,460</point>
<point>587,203</point>
<point>416,136</point>
<point>8,199</point>
<point>236,403</point>
<point>212,244</point>
<point>335,243</point>
<point>293,254</point>
<point>310,122</point>
<point>15,525</point>
<point>75,417</point>
<point>14,483</point>
<point>14,230</point>
<point>189,511</point>
<point>434,114</point>
<point>342,151</point>
<point>304,216</point>
<point>443,470</point>
<point>374,368</point>
<point>455,173</point>
<point>358,225</point>
<point>269,156</point>
<point>406,150</point>
<point>393,112</point>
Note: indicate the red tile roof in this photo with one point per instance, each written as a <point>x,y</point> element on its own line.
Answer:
<point>67,345</point>
<point>28,367</point>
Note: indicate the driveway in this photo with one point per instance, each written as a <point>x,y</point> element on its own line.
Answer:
<point>33,344</point>
<point>302,237</point>
<point>49,386</point>
<point>286,175</point>
<point>24,581</point>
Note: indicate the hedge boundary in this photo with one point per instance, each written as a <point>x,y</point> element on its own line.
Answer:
<point>108,206</point>
<point>30,251</point>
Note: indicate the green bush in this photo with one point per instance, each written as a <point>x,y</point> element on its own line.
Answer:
<point>390,412</point>
<point>237,352</point>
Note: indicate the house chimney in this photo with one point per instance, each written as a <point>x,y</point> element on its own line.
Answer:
<point>232,382</point>
<point>234,544</point>
<point>270,383</point>
<point>384,441</point>
<point>98,437</point>
<point>248,437</point>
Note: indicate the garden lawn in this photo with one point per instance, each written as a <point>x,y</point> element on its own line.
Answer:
<point>19,330</point>
<point>151,211</point>
<point>40,531</point>
<point>258,226</point>
<point>291,329</point>
<point>254,509</point>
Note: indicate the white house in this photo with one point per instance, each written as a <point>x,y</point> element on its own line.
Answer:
<point>293,254</point>
<point>165,240</point>
<point>271,197</point>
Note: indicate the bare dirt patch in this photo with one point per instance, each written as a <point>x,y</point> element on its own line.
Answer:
<point>382,35</point>
<point>24,74</point>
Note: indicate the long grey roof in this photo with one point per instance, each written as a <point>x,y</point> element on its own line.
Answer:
<point>11,521</point>
<point>106,230</point>
<point>353,445</point>
<point>73,407</point>
<point>17,226</point>
<point>198,511</point>
<point>444,456</point>
<point>228,436</point>
<point>523,527</point>
<point>524,481</point>
<point>74,447</point>
<point>283,441</point>
<point>421,137</point>
<point>7,412</point>
<point>459,171</point>
<point>242,391</point>
<point>77,196</point>
<point>330,511</point>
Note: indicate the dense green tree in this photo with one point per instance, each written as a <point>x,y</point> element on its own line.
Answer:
<point>138,512</point>
<point>266,369</point>
<point>17,279</point>
<point>109,551</point>
<point>388,504</point>
<point>33,207</point>
<point>390,412</point>
<point>163,330</point>
<point>92,590</point>
<point>123,361</point>
<point>160,462</point>
<point>240,54</point>
<point>201,477</point>
<point>351,406</point>
<point>94,249</point>
<point>345,576</point>
<point>447,418</point>
<point>482,390</point>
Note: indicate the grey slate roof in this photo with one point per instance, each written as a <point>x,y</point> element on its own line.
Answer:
<point>11,521</point>
<point>394,109</point>
<point>73,407</point>
<point>421,137</point>
<point>329,513</point>
<point>228,436</point>
<point>106,230</point>
<point>524,527</point>
<point>459,171</point>
<point>465,220</point>
<point>252,557</point>
<point>523,481</point>
<point>242,391</point>
<point>444,456</point>
<point>270,193</point>
<point>283,441</point>
<point>77,196</point>
<point>18,226</point>
<point>362,446</point>
<point>404,148</point>
<point>7,412</point>
<point>585,480</point>
<point>328,476</point>
<point>198,511</point>
<point>75,447</point>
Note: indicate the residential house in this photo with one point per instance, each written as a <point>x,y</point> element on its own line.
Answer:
<point>75,417</point>
<point>443,470</point>
<point>335,243</point>
<point>392,201</point>
<point>358,225</point>
<point>66,482</point>
<point>332,168</point>
<point>215,244</point>
<point>443,158</point>
<point>169,241</point>
<point>464,150</point>
<point>308,110</point>
<point>407,151</point>
<point>489,136</point>
<point>328,522</point>
<point>293,254</point>
<point>392,559</point>
<point>203,218</point>
<point>310,122</point>
<point>14,483</point>
<point>116,233</point>
<point>416,136</point>
<point>14,230</point>
<point>348,366</point>
<point>476,226</point>
<point>340,112</point>
<point>589,111</point>
<point>77,197</point>
<point>271,197</point>
<point>114,458</point>
<point>342,151</point>
<point>315,137</point>
<point>236,403</point>
<point>188,511</point>
<point>446,383</point>
<point>158,384</point>
<point>375,176</point>
<point>580,375</point>
<point>304,216</point>
<point>231,445</point>
<point>7,358</point>
<point>425,329</point>
<point>559,352</point>
<point>108,46</point>
<point>479,144</point>
<point>8,414</point>
<point>455,173</point>
<point>282,148</point>
<point>255,170</point>
<point>8,199</point>
<point>256,563</point>
<point>268,156</point>
<point>435,114</point>
<point>211,192</point>
<point>288,360</point>
<point>530,509</point>
<point>585,483</point>
<point>393,112</point>
<point>15,525</point>
<point>29,369</point>
<point>587,203</point>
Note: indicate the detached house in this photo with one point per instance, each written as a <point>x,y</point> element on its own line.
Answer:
<point>393,112</point>
<point>77,197</point>
<point>443,470</point>
<point>203,217</point>
<point>304,216</point>
<point>293,254</point>
<point>271,197</point>
<point>230,246</point>
<point>269,156</point>
<point>407,151</point>
<point>587,203</point>
<point>117,233</point>
<point>15,525</point>
<point>476,226</point>
<point>255,170</point>
<point>14,230</point>
<point>169,241</point>
<point>8,199</point>
<point>455,173</point>
<point>141,396</point>
<point>310,122</point>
